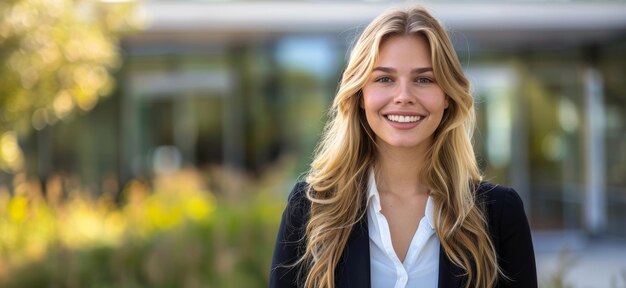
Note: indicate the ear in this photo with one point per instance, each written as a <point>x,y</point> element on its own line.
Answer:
<point>446,102</point>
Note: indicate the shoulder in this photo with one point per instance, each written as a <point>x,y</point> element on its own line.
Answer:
<point>293,224</point>
<point>298,204</point>
<point>297,196</point>
<point>504,209</point>
<point>510,233</point>
<point>290,242</point>
<point>298,192</point>
<point>498,196</point>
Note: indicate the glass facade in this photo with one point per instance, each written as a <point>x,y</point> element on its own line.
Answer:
<point>245,101</point>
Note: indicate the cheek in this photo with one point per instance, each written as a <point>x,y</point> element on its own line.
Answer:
<point>435,102</point>
<point>372,100</point>
<point>371,107</point>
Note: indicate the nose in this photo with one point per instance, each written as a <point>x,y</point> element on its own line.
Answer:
<point>404,95</point>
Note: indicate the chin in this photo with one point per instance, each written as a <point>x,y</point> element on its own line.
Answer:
<point>403,144</point>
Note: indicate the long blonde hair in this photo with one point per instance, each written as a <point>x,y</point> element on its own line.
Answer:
<point>337,176</point>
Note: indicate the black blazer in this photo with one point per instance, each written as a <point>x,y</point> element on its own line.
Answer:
<point>508,229</point>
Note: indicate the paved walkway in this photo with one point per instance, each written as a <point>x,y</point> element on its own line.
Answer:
<point>578,261</point>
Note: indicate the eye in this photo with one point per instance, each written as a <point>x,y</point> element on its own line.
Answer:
<point>424,80</point>
<point>383,79</point>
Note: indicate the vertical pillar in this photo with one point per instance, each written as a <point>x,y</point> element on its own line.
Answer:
<point>595,195</point>
<point>129,131</point>
<point>44,157</point>
<point>234,112</point>
<point>520,179</point>
<point>185,130</point>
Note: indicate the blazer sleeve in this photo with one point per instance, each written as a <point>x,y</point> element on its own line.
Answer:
<point>290,241</point>
<point>516,255</point>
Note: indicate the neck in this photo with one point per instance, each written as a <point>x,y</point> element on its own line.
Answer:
<point>398,171</point>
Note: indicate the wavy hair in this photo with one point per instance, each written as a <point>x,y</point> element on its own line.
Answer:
<point>337,176</point>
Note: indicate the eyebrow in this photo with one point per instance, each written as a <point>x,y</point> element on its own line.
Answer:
<point>392,70</point>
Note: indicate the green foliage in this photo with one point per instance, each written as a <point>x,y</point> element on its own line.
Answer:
<point>173,236</point>
<point>56,57</point>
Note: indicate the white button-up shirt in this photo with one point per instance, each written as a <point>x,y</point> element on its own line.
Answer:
<point>421,264</point>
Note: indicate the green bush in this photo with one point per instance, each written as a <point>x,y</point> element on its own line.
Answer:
<point>181,237</point>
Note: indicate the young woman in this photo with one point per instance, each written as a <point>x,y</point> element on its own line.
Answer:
<point>394,197</point>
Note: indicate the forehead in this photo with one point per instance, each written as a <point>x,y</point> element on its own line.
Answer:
<point>401,50</point>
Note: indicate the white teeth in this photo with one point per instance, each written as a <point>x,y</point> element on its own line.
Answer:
<point>404,119</point>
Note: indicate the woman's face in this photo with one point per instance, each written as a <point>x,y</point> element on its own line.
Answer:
<point>403,103</point>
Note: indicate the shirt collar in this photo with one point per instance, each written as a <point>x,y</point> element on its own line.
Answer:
<point>373,200</point>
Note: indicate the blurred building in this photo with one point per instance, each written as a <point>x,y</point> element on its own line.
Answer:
<point>242,83</point>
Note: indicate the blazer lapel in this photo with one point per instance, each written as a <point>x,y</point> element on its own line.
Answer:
<point>354,268</point>
<point>449,273</point>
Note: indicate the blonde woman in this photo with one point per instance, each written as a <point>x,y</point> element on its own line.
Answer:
<point>394,197</point>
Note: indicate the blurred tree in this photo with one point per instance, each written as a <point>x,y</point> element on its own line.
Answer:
<point>56,57</point>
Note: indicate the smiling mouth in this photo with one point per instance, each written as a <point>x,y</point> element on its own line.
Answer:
<point>404,119</point>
